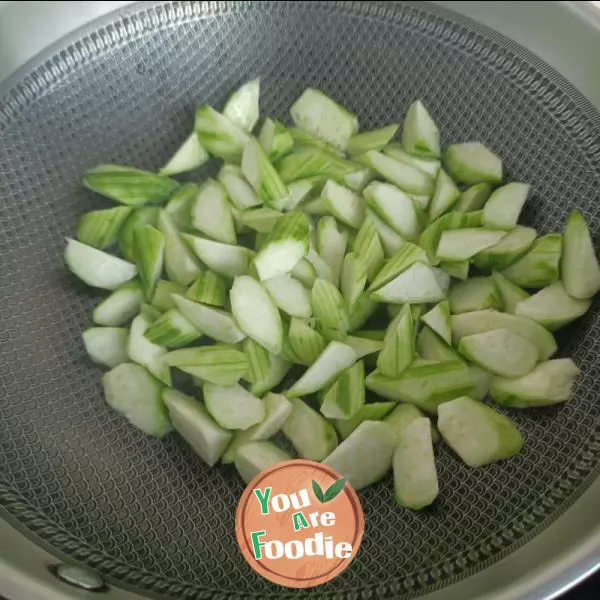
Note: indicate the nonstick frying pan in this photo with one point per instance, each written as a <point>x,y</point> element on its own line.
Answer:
<point>147,514</point>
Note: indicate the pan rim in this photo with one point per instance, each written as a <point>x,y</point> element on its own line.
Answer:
<point>29,70</point>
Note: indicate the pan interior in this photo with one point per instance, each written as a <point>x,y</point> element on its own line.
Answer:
<point>149,512</point>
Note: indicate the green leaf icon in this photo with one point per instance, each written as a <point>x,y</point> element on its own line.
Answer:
<point>332,491</point>
<point>318,491</point>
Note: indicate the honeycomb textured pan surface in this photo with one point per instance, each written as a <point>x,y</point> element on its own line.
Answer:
<point>148,512</point>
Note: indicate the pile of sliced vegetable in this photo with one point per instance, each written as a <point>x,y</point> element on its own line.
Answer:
<point>359,294</point>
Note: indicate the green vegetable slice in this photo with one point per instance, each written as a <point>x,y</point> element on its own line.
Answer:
<point>179,205</point>
<point>472,162</point>
<point>97,268</point>
<point>408,178</point>
<point>242,106</point>
<point>275,139</point>
<point>551,382</point>
<point>477,293</point>
<point>321,164</point>
<point>262,219</point>
<point>509,249</point>
<point>477,433</point>
<point>220,136</point>
<point>398,345</point>
<point>239,191</point>
<point>368,250</point>
<point>100,228</point>
<point>232,407</point>
<point>394,207</point>
<point>461,244</point>
<point>288,242</point>
<point>431,347</point>
<point>430,238</point>
<point>193,423</point>
<point>163,296</point>
<point>363,346</point>
<point>172,330</point>
<point>375,139</point>
<point>579,266</point>
<point>123,304</point>
<point>208,288</point>
<point>331,362</point>
<point>321,267</point>
<point>259,360</point>
<point>431,166</point>
<point>343,204</point>
<point>425,385</point>
<point>144,352</point>
<point>415,475</point>
<point>180,263</point>
<point>215,323</point>
<point>353,279</point>
<point>254,457</point>
<point>552,307</point>
<point>391,241</point>
<point>129,186</point>
<point>418,284</point>
<point>405,414</point>
<point>132,391</point>
<point>374,411</point>
<point>188,157</point>
<point>346,395</point>
<point>474,197</point>
<point>218,364</point>
<point>224,259</point>
<point>500,351</point>
<point>306,343</point>
<point>106,346</point>
<point>290,295</point>
<point>278,369</point>
<point>504,206</point>
<point>311,434</point>
<point>305,272</point>
<point>482,379</point>
<point>420,135</point>
<point>211,213</point>
<point>445,195</point>
<point>263,177</point>
<point>365,456</point>
<point>278,410</point>
<point>456,269</point>
<point>324,118</point>
<point>485,320</point>
<point>150,254</point>
<point>438,318</point>
<point>332,241</point>
<point>407,255</point>
<point>256,313</point>
<point>358,314</point>
<point>510,294</point>
<point>146,215</point>
<point>329,309</point>
<point>539,267</point>
<point>298,193</point>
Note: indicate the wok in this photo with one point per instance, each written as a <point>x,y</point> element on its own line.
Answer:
<point>78,484</point>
